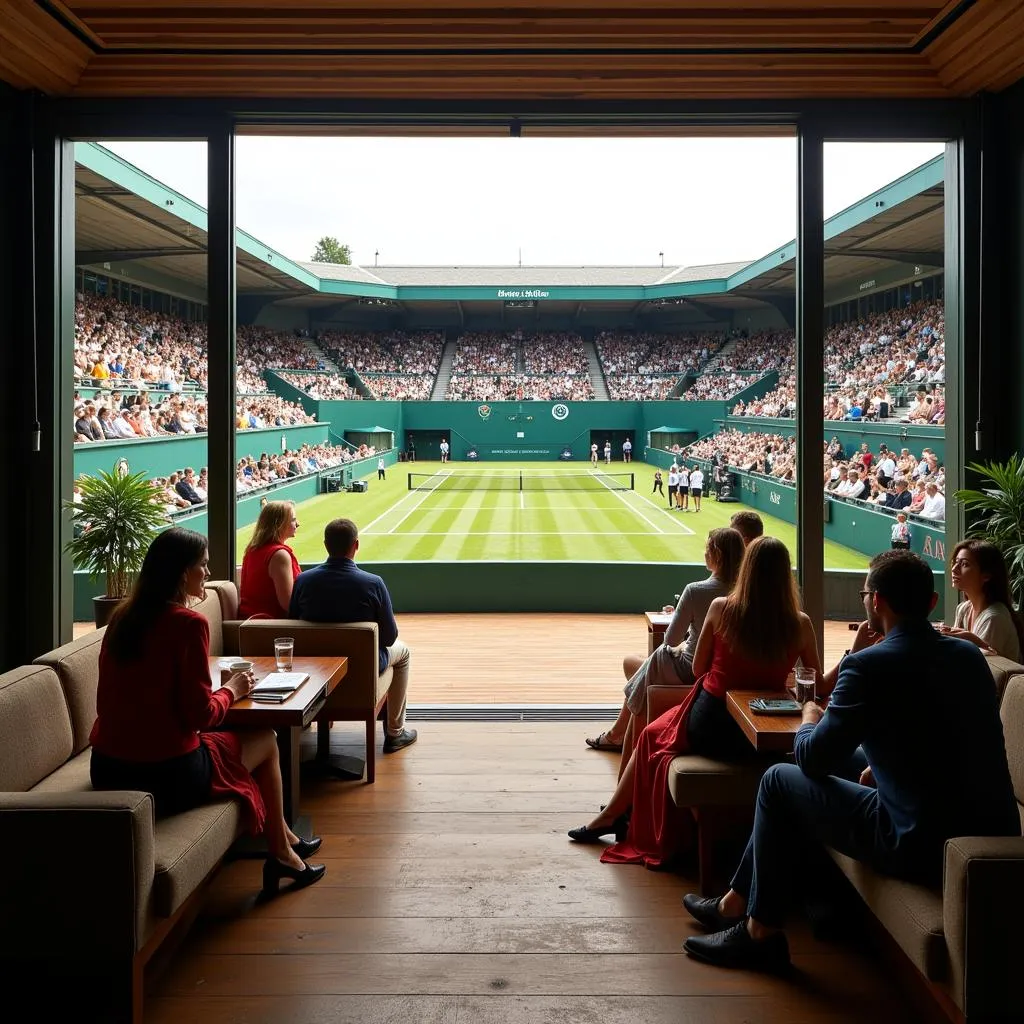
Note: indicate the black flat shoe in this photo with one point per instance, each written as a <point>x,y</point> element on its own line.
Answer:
<point>733,947</point>
<point>704,910</point>
<point>305,848</point>
<point>274,871</point>
<point>617,828</point>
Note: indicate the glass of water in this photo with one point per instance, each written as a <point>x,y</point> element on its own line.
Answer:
<point>805,684</point>
<point>284,648</point>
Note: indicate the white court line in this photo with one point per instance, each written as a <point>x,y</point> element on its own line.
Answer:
<point>686,531</point>
<point>618,494</point>
<point>394,508</point>
<point>423,498</point>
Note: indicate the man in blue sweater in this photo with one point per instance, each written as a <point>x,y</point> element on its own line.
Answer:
<point>921,712</point>
<point>339,591</point>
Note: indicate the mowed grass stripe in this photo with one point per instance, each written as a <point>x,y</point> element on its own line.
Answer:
<point>492,512</point>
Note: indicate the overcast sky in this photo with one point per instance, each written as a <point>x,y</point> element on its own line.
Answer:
<point>560,201</point>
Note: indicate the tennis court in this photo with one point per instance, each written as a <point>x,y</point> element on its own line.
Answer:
<point>524,512</point>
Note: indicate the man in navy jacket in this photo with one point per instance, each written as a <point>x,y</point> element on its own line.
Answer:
<point>922,711</point>
<point>339,591</point>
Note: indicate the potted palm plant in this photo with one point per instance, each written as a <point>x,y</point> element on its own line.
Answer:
<point>996,512</point>
<point>114,523</point>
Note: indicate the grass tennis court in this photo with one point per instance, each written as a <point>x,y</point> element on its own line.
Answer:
<point>561,514</point>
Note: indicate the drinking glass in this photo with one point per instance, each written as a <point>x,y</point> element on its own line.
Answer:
<point>284,648</point>
<point>805,683</point>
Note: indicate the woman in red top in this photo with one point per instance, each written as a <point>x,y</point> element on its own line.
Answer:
<point>750,639</point>
<point>155,701</point>
<point>269,567</point>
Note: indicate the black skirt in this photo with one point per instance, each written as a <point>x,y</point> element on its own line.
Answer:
<point>713,732</point>
<point>177,784</point>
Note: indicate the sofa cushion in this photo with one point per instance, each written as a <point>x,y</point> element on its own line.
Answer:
<point>1011,711</point>
<point>35,728</point>
<point>77,665</point>
<point>227,594</point>
<point>695,781</point>
<point>71,777</point>
<point>210,607</point>
<point>1002,669</point>
<point>911,913</point>
<point>188,847</point>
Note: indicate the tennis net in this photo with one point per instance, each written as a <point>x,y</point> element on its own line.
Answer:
<point>521,480</point>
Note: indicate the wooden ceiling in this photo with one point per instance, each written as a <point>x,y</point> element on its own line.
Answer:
<point>644,50</point>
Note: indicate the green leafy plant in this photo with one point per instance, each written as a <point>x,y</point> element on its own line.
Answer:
<point>996,513</point>
<point>115,523</point>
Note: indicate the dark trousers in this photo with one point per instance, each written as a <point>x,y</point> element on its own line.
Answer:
<point>380,474</point>
<point>658,488</point>
<point>793,818</point>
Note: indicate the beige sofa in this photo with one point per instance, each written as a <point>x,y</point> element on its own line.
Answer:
<point>964,939</point>
<point>92,883</point>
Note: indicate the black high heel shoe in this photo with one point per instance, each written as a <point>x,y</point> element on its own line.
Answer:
<point>305,848</point>
<point>618,828</point>
<point>274,871</point>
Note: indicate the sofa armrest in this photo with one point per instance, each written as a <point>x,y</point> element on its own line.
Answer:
<point>79,871</point>
<point>982,903</point>
<point>229,635</point>
<point>663,698</point>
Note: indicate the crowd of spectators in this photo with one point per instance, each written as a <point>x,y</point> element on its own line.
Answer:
<point>400,387</point>
<point>555,352</point>
<point>256,411</point>
<point>868,364</point>
<point>323,386</point>
<point>713,387</point>
<point>641,387</point>
<point>519,387</point>
<point>409,352</point>
<point>896,482</point>
<point>489,352</point>
<point>125,415</point>
<point>626,352</point>
<point>117,344</point>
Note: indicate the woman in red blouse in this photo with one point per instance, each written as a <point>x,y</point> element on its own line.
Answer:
<point>155,702</point>
<point>269,567</point>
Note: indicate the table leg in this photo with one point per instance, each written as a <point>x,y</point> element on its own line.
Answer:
<point>288,749</point>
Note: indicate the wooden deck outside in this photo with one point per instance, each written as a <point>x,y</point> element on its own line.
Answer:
<point>530,659</point>
<point>452,895</point>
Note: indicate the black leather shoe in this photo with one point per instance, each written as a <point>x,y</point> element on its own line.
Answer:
<point>305,848</point>
<point>404,739</point>
<point>734,947</point>
<point>704,910</point>
<point>274,871</point>
<point>617,828</point>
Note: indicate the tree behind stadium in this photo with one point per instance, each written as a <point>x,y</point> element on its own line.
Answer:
<point>330,250</point>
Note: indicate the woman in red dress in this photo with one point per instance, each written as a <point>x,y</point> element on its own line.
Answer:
<point>269,566</point>
<point>750,640</point>
<point>155,702</point>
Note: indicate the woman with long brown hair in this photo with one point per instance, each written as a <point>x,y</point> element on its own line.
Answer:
<point>750,639</point>
<point>672,663</point>
<point>269,566</point>
<point>987,618</point>
<point>157,712</point>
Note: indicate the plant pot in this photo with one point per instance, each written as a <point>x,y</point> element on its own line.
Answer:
<point>103,608</point>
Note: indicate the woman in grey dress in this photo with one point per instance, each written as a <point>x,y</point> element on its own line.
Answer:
<point>671,664</point>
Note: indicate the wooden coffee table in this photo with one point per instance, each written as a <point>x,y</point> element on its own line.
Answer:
<point>770,734</point>
<point>289,717</point>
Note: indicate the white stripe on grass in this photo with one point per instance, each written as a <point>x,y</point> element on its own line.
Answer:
<point>685,530</point>
<point>619,495</point>
<point>421,494</point>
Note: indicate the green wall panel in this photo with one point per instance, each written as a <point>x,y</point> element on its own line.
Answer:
<point>160,456</point>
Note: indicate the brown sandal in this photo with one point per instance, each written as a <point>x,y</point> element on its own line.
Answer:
<point>603,743</point>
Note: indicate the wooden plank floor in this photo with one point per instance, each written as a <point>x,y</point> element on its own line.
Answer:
<point>452,895</point>
<point>530,658</point>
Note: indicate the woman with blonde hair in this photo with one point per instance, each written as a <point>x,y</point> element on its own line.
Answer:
<point>987,618</point>
<point>750,639</point>
<point>672,663</point>
<point>269,566</point>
